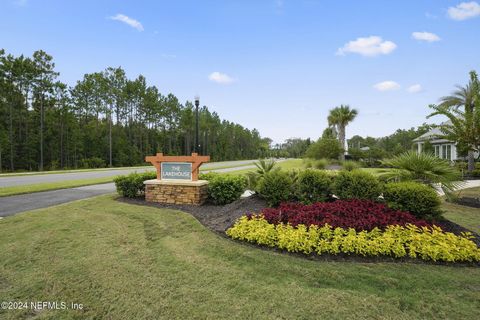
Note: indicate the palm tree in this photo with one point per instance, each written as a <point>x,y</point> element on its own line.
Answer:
<point>340,117</point>
<point>464,124</point>
<point>424,168</point>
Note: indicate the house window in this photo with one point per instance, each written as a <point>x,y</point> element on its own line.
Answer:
<point>449,152</point>
<point>437,151</point>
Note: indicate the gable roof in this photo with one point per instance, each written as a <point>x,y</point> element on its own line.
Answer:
<point>433,134</point>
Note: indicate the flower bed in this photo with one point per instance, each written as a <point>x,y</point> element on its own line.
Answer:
<point>427,243</point>
<point>357,214</point>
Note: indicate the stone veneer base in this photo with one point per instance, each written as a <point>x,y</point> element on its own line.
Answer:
<point>176,191</point>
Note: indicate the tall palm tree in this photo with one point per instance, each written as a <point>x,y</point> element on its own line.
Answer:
<point>340,117</point>
<point>462,108</point>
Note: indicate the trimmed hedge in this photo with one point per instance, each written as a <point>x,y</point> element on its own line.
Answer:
<point>313,186</point>
<point>131,186</point>
<point>223,189</point>
<point>356,184</point>
<point>276,187</point>
<point>418,199</point>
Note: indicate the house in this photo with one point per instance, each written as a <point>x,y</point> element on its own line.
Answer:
<point>443,148</point>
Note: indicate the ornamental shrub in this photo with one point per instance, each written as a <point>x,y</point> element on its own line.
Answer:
<point>418,199</point>
<point>350,165</point>
<point>207,176</point>
<point>276,187</point>
<point>321,164</point>
<point>313,186</point>
<point>356,184</point>
<point>357,214</point>
<point>131,186</point>
<point>223,189</point>
<point>395,241</point>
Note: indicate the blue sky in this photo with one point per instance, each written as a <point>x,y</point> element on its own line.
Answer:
<point>274,65</point>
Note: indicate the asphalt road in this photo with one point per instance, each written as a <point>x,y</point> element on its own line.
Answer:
<point>25,202</point>
<point>15,204</point>
<point>10,181</point>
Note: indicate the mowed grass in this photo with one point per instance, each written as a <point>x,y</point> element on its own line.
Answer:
<point>124,261</point>
<point>463,215</point>
<point>289,164</point>
<point>29,188</point>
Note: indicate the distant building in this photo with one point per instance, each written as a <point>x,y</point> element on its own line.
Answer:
<point>443,148</point>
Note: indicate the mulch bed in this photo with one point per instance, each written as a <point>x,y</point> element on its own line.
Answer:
<point>214,217</point>
<point>220,218</point>
<point>469,202</point>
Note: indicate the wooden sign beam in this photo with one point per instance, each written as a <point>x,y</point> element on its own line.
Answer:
<point>194,159</point>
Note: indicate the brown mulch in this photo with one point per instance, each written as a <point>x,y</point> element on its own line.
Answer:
<point>469,202</point>
<point>214,217</point>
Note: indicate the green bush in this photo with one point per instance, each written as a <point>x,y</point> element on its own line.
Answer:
<point>475,173</point>
<point>350,165</point>
<point>91,163</point>
<point>131,186</point>
<point>207,176</point>
<point>223,189</point>
<point>276,187</point>
<point>313,186</point>
<point>416,198</point>
<point>356,185</point>
<point>328,148</point>
<point>321,164</point>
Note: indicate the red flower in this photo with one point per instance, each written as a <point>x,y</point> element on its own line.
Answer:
<point>357,214</point>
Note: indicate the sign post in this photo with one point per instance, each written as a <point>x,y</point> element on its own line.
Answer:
<point>177,180</point>
<point>195,160</point>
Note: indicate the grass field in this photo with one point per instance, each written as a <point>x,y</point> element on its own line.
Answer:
<point>124,261</point>
<point>465,216</point>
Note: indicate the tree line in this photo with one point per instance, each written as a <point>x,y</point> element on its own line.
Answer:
<point>105,119</point>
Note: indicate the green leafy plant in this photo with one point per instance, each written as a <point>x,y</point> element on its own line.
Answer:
<point>263,166</point>
<point>313,186</point>
<point>223,189</point>
<point>276,187</point>
<point>325,148</point>
<point>356,185</point>
<point>208,176</point>
<point>350,165</point>
<point>131,186</point>
<point>418,199</point>
<point>395,241</point>
<point>321,164</point>
<point>424,168</point>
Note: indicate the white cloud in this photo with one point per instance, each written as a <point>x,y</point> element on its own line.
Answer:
<point>425,36</point>
<point>415,88</point>
<point>369,46</point>
<point>464,10</point>
<point>221,78</point>
<point>387,86</point>
<point>130,21</point>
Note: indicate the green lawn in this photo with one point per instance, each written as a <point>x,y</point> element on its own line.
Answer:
<point>465,216</point>
<point>124,261</point>
<point>286,165</point>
